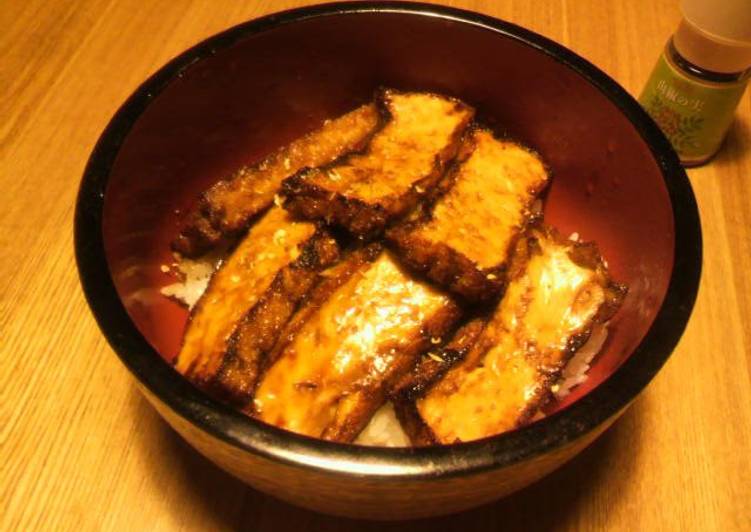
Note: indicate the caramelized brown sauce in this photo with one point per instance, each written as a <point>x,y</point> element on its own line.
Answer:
<point>272,243</point>
<point>351,344</point>
<point>258,185</point>
<point>400,154</point>
<point>488,202</point>
<point>504,376</point>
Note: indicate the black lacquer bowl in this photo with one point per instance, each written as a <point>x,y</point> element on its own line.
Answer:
<point>238,95</point>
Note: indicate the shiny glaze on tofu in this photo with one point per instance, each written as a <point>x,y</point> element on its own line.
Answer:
<point>334,370</point>
<point>546,314</point>
<point>465,242</point>
<point>271,245</point>
<point>228,207</point>
<point>402,161</point>
<point>256,334</point>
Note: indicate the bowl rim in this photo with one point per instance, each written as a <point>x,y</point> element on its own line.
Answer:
<point>557,430</point>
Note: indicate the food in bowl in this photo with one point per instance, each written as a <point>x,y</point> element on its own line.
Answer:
<point>363,192</point>
<point>463,242</point>
<point>226,209</point>
<point>557,291</point>
<point>240,95</point>
<point>404,261</point>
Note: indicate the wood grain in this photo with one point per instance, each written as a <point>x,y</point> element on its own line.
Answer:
<point>81,449</point>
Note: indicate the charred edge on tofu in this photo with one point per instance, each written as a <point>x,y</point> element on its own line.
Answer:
<point>434,364</point>
<point>418,432</point>
<point>363,219</point>
<point>312,202</point>
<point>207,224</point>
<point>259,330</point>
<point>430,369</point>
<point>447,267</point>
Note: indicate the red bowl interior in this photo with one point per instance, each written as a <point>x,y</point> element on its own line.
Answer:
<point>236,105</point>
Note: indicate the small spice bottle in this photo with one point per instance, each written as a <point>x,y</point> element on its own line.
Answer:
<point>700,77</point>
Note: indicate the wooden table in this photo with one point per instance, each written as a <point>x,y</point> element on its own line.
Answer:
<point>81,449</point>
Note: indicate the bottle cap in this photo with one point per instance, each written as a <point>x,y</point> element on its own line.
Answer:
<point>715,34</point>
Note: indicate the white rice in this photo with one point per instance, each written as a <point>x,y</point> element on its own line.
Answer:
<point>194,275</point>
<point>576,370</point>
<point>384,430</point>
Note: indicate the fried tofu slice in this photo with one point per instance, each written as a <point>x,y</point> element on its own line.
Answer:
<point>558,290</point>
<point>355,339</point>
<point>258,331</point>
<point>274,243</point>
<point>226,210</point>
<point>402,162</point>
<point>464,243</point>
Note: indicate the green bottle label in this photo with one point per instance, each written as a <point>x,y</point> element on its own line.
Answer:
<point>693,114</point>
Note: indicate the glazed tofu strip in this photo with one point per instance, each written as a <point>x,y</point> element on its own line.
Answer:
<point>226,210</point>
<point>403,160</point>
<point>356,337</point>
<point>465,243</point>
<point>274,243</point>
<point>255,336</point>
<point>557,291</point>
